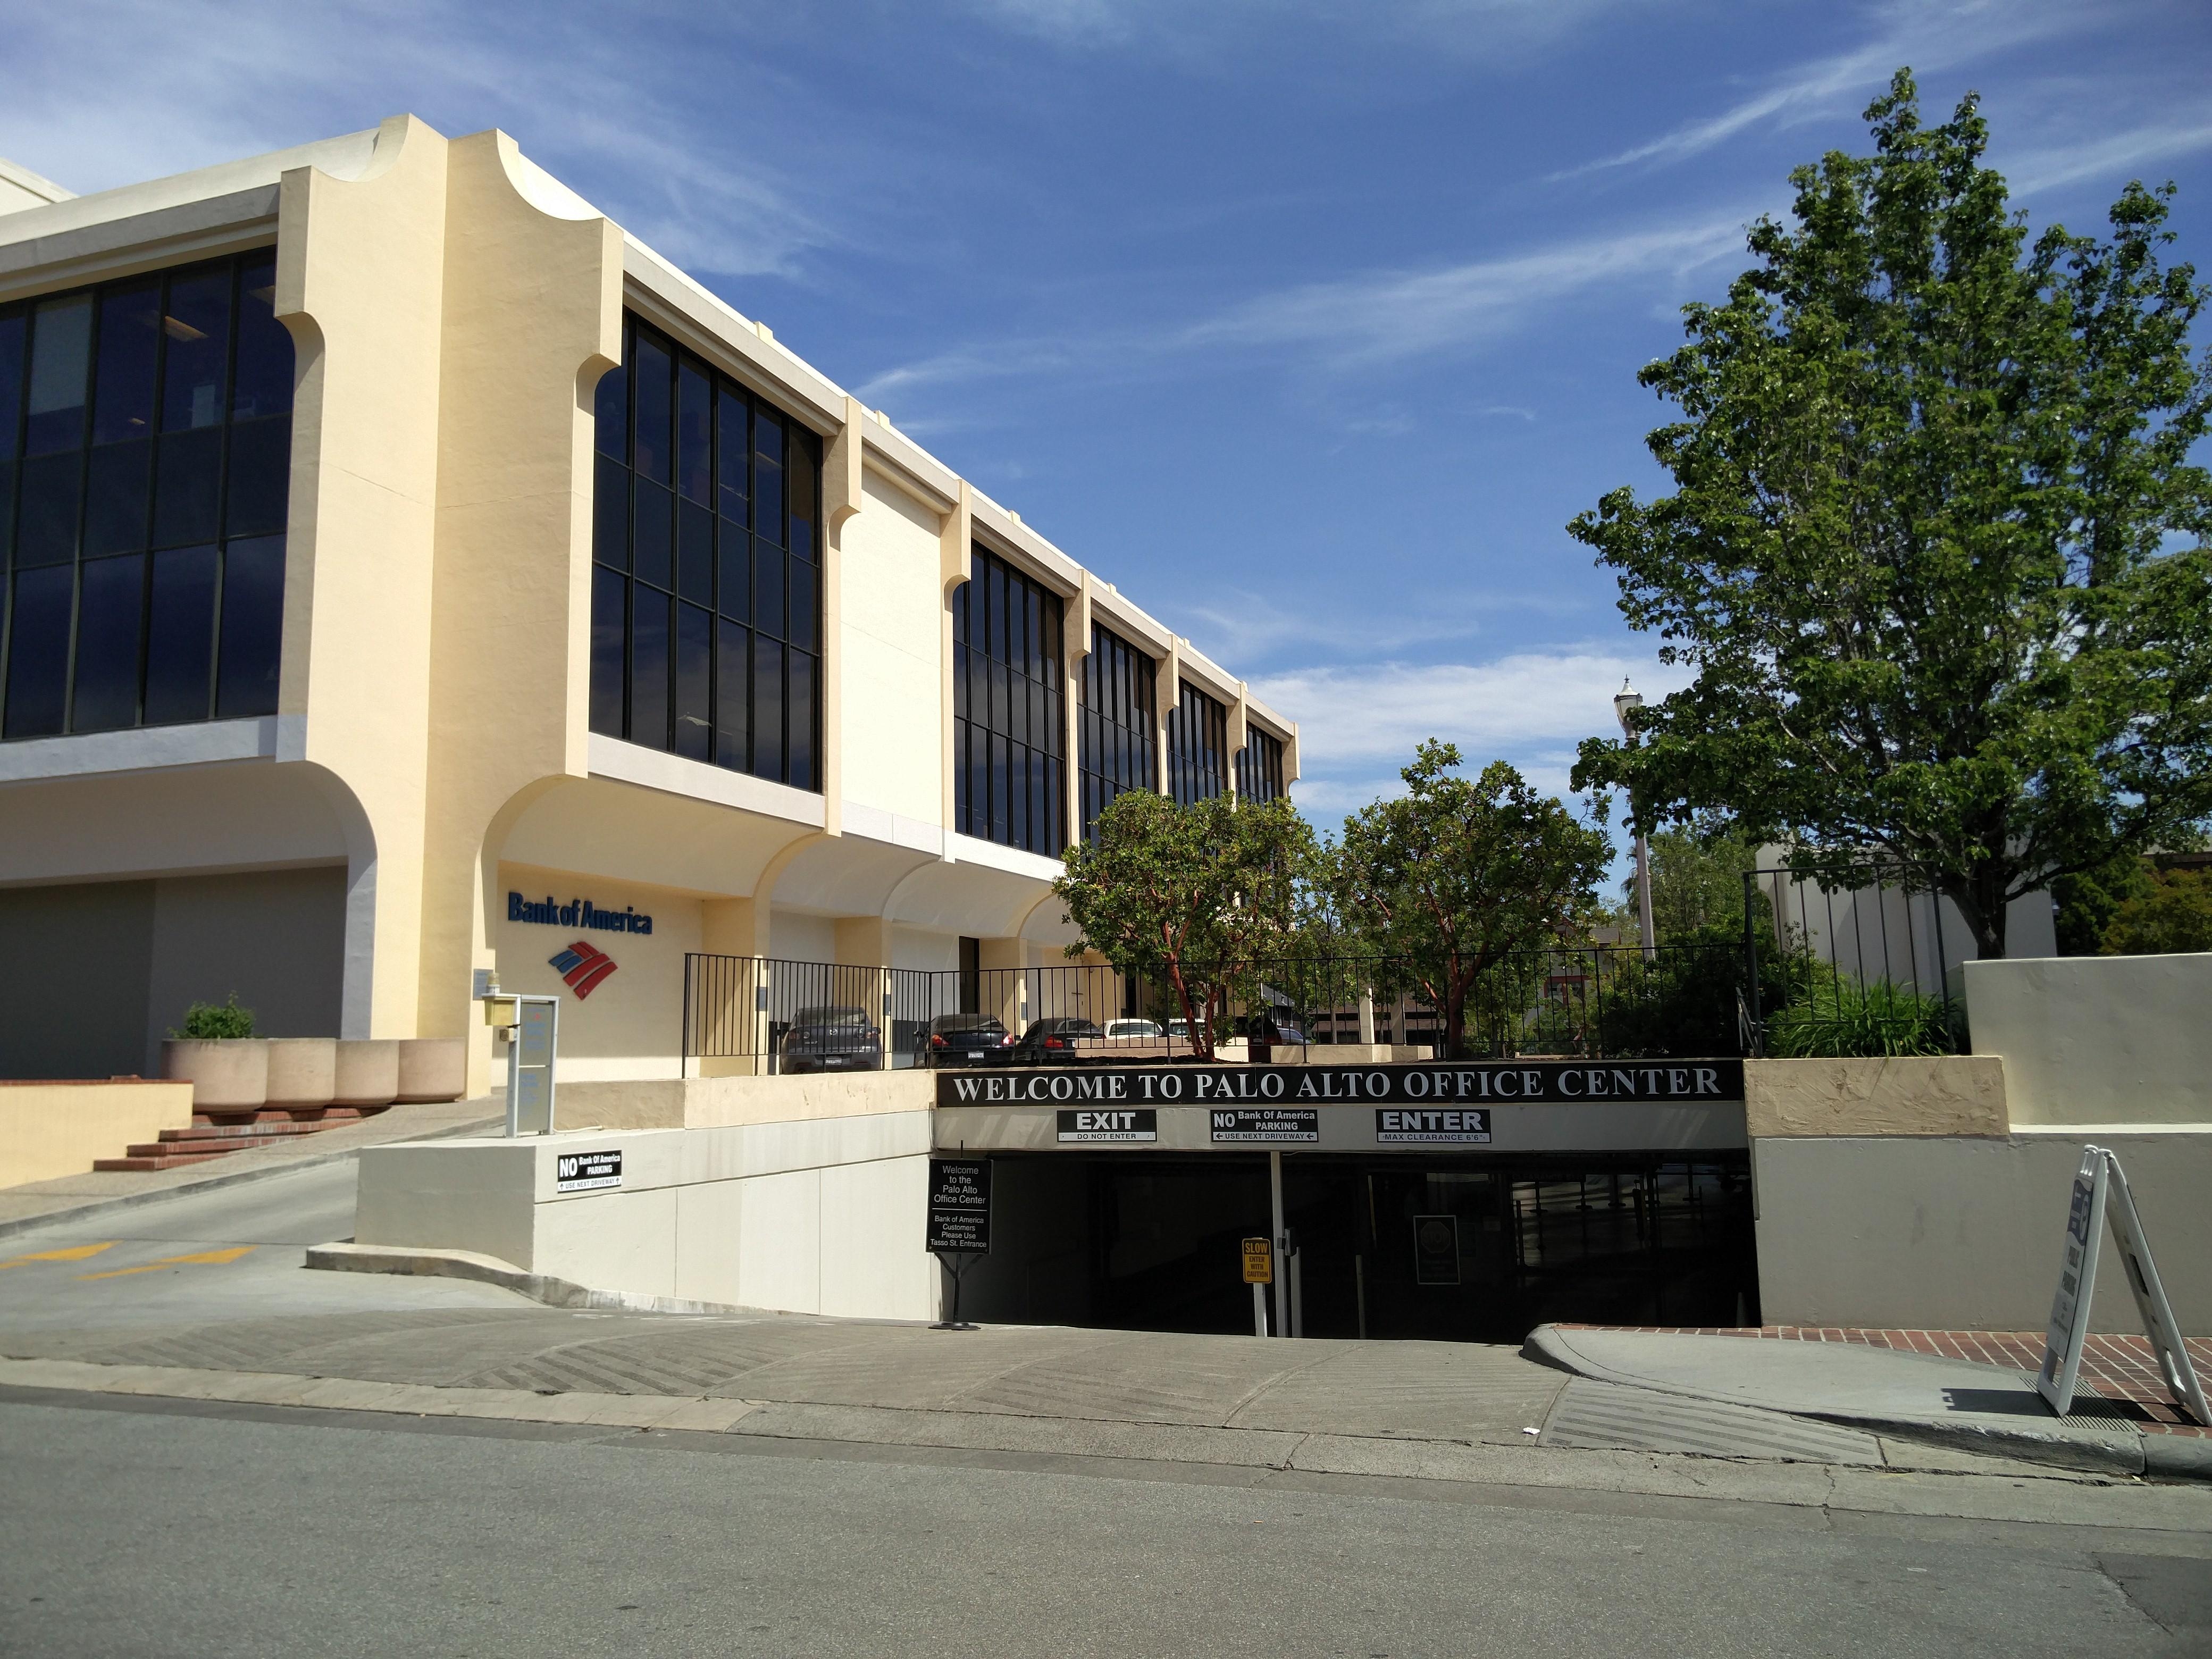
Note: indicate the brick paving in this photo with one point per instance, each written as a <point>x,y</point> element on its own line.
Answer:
<point>2119,1369</point>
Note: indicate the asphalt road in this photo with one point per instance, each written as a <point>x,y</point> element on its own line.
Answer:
<point>150,1530</point>
<point>230,1252</point>
<point>154,1526</point>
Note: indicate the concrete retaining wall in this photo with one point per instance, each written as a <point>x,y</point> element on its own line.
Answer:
<point>2098,1039</point>
<point>711,1103</point>
<point>1964,1233</point>
<point>819,1216</point>
<point>52,1129</point>
<point>1950,1095</point>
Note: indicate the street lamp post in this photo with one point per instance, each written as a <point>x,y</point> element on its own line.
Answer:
<point>1625,702</point>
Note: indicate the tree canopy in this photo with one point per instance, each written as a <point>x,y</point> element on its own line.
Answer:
<point>1936,548</point>
<point>1192,899</point>
<point>1456,874</point>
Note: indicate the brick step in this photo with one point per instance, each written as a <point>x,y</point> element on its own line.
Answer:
<point>256,1132</point>
<point>195,1148</point>
<point>271,1117</point>
<point>170,1162</point>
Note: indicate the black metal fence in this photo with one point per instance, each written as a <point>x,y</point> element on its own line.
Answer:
<point>1859,968</point>
<point>1858,965</point>
<point>761,1011</point>
<point>759,1014</point>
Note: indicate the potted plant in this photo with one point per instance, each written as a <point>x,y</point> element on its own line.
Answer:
<point>216,1052</point>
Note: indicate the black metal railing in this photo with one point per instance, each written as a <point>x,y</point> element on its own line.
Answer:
<point>779,1016</point>
<point>1596,1001</point>
<point>1856,964</point>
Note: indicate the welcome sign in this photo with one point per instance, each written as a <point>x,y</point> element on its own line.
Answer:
<point>1454,1083</point>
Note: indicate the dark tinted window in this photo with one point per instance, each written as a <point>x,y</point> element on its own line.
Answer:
<point>701,517</point>
<point>1008,749</point>
<point>1117,734</point>
<point>152,412</point>
<point>263,386</point>
<point>1260,766</point>
<point>1198,745</point>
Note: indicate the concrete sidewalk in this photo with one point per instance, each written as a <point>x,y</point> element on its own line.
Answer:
<point>1991,1409</point>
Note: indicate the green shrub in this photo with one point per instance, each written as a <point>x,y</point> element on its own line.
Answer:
<point>216,1019</point>
<point>1842,1017</point>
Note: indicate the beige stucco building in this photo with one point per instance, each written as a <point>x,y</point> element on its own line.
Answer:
<point>410,572</point>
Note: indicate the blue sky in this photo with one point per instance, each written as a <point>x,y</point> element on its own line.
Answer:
<point>1308,323</point>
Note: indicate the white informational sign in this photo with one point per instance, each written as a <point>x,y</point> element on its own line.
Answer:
<point>587,1172</point>
<point>2101,1195</point>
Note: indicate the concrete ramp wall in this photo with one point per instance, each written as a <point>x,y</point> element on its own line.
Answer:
<point>822,1216</point>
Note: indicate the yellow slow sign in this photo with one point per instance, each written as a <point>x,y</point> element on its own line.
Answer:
<point>1259,1262</point>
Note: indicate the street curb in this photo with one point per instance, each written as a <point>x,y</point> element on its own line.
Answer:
<point>554,1292</point>
<point>2092,1455</point>
<point>223,1178</point>
<point>2178,1456</point>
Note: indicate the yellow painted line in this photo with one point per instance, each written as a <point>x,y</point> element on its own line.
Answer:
<point>209,1258</point>
<point>75,1253</point>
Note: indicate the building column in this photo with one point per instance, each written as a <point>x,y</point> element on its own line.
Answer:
<point>865,942</point>
<point>955,533</point>
<point>1075,634</point>
<point>730,1021</point>
<point>1167,689</point>
<point>1005,987</point>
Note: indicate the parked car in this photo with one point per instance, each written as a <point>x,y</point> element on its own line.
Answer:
<point>1147,1030</point>
<point>1059,1042</point>
<point>832,1040</point>
<point>962,1040</point>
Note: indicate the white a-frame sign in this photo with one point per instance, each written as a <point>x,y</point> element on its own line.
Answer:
<point>2101,1195</point>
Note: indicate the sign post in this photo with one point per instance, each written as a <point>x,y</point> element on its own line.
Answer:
<point>2101,1196</point>
<point>1258,1273</point>
<point>959,1221</point>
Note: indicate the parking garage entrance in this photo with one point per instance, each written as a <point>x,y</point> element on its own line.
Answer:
<point>1461,1248</point>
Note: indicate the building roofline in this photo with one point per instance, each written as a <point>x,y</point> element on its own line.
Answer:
<point>231,204</point>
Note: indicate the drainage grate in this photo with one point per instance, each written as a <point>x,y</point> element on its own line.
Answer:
<point>1608,1415</point>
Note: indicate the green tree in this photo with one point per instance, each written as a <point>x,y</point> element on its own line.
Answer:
<point>1456,875</point>
<point>2088,899</point>
<point>1921,550</point>
<point>2174,913</point>
<point>1193,899</point>
<point>1696,884</point>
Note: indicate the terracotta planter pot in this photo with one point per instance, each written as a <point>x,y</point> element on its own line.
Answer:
<point>228,1074</point>
<point>367,1072</point>
<point>433,1068</point>
<point>302,1072</point>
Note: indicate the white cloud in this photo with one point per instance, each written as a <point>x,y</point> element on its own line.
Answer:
<point>101,94</point>
<point>1354,322</point>
<point>1928,37</point>
<point>1483,34</point>
<point>2118,154</point>
<point>1239,626</point>
<point>1394,314</point>
<point>1529,704</point>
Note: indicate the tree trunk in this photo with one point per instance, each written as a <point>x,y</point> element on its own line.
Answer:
<point>1980,901</point>
<point>1201,1035</point>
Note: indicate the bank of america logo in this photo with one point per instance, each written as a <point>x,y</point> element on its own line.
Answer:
<point>582,966</point>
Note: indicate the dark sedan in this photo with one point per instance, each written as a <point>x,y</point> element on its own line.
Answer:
<point>1060,1042</point>
<point>832,1040</point>
<point>962,1040</point>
